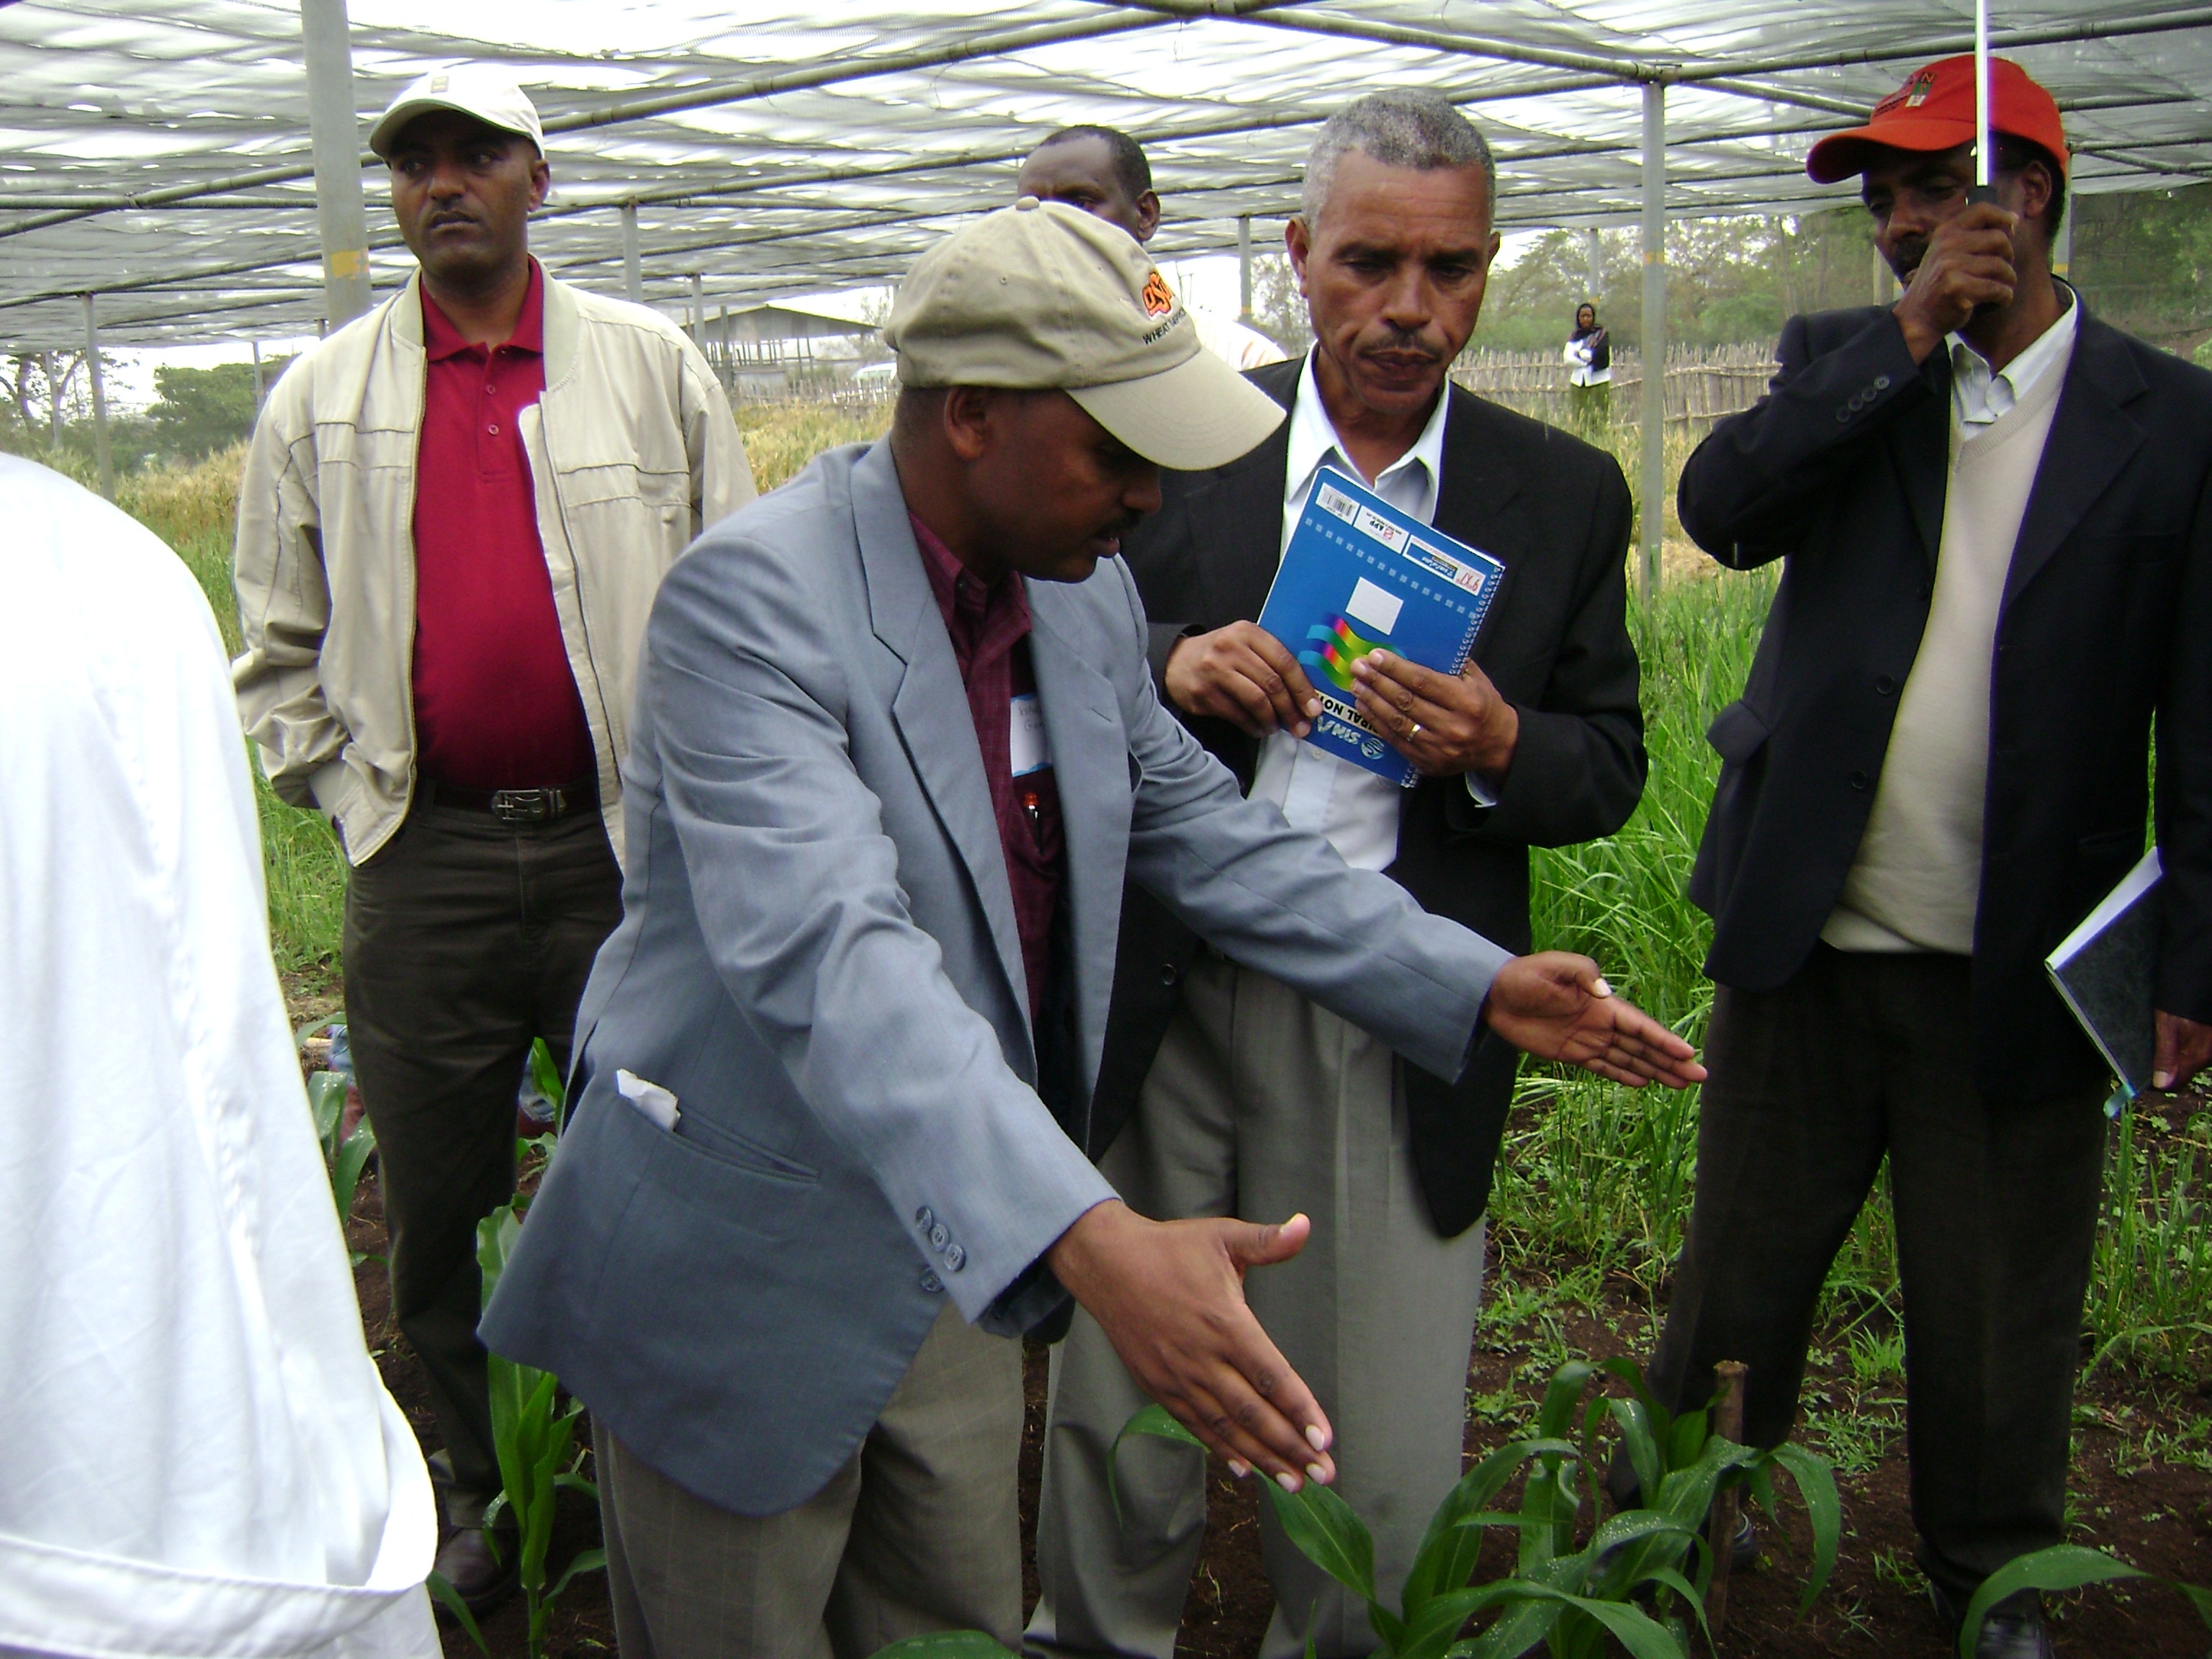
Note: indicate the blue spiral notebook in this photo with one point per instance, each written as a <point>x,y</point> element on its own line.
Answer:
<point>1358,576</point>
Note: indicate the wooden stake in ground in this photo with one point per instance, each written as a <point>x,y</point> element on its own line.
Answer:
<point>1728,1502</point>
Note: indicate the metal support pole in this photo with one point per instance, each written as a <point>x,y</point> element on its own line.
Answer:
<point>1652,507</point>
<point>632,272</point>
<point>260,386</point>
<point>98,400</point>
<point>2061,251</point>
<point>1244,269</point>
<point>336,133</point>
<point>1594,258</point>
<point>698,314</point>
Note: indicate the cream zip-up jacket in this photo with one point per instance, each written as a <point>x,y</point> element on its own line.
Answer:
<point>633,451</point>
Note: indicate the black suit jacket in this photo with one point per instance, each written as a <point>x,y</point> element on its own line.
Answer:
<point>2107,619</point>
<point>1555,643</point>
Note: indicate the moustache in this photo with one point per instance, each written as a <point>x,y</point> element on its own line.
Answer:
<point>1402,343</point>
<point>1905,257</point>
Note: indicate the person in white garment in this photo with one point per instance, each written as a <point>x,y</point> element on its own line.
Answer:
<point>199,1458</point>
<point>1103,170</point>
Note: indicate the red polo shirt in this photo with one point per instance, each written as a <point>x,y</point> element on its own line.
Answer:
<point>990,628</point>
<point>495,704</point>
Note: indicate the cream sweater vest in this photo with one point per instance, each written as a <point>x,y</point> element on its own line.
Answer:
<point>1917,882</point>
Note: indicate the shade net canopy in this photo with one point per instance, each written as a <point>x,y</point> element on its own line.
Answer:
<point>158,154</point>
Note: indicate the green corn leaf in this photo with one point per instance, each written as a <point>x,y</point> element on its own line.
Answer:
<point>547,1076</point>
<point>1446,1557</point>
<point>1157,1422</point>
<point>345,1172</point>
<point>2201,1599</point>
<point>946,1644</point>
<point>495,1237</point>
<point>327,1099</point>
<point>1642,1635</point>
<point>443,1593</point>
<point>1816,1486</point>
<point>575,1482</point>
<point>1522,1624</point>
<point>1557,1414</point>
<point>1637,1433</point>
<point>585,1561</point>
<point>1687,1439</point>
<point>2061,1567</point>
<point>1328,1534</point>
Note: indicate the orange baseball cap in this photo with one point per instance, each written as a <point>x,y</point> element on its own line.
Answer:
<point>1935,110</point>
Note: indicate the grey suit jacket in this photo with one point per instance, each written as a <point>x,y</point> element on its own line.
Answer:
<point>817,957</point>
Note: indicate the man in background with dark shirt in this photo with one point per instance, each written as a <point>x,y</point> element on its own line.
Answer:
<point>455,515</point>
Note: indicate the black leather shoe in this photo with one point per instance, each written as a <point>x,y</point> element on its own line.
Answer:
<point>482,1579</point>
<point>2013,1629</point>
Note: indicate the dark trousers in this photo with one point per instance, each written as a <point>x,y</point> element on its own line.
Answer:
<point>464,939</point>
<point>1995,1204</point>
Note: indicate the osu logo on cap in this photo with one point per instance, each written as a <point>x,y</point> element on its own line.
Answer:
<point>1158,299</point>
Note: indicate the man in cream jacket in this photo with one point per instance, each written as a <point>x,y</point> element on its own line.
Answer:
<point>456,513</point>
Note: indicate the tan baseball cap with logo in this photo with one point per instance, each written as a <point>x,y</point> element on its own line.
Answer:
<point>473,88</point>
<point>1042,296</point>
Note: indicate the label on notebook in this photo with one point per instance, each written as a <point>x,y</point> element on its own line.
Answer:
<point>1357,576</point>
<point>1028,749</point>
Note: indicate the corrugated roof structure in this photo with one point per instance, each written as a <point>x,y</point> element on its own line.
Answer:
<point>158,155</point>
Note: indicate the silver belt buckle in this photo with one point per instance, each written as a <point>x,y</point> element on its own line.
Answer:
<point>525,806</point>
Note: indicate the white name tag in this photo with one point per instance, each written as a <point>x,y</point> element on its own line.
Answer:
<point>1028,749</point>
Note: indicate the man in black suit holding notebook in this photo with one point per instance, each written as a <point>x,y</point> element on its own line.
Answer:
<point>1222,1092</point>
<point>1994,518</point>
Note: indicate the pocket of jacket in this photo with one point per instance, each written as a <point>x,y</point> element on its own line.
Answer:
<point>1737,733</point>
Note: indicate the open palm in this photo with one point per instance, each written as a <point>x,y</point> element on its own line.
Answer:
<point>1556,1005</point>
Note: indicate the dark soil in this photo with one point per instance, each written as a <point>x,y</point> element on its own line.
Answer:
<point>2140,1489</point>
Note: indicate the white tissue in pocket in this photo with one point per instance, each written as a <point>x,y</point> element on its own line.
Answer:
<point>650,1098</point>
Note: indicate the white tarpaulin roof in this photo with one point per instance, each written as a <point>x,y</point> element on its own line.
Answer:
<point>777,149</point>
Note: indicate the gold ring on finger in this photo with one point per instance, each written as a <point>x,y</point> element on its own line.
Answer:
<point>1414,729</point>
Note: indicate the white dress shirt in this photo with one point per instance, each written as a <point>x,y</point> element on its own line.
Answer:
<point>1357,810</point>
<point>1981,397</point>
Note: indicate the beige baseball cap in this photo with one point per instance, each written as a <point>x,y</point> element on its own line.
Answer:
<point>1042,295</point>
<point>473,88</point>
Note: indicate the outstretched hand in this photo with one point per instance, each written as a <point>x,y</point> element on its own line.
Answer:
<point>1170,1296</point>
<point>1556,1005</point>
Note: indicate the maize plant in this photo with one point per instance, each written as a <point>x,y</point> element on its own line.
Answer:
<point>1566,1600</point>
<point>343,1159</point>
<point>533,1436</point>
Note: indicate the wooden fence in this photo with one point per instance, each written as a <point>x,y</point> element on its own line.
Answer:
<point>1703,382</point>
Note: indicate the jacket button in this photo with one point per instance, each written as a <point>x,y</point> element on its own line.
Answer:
<point>1885,685</point>
<point>931,1282</point>
<point>925,1218</point>
<point>1169,973</point>
<point>1842,414</point>
<point>1881,383</point>
<point>938,1238</point>
<point>1861,781</point>
<point>956,1258</point>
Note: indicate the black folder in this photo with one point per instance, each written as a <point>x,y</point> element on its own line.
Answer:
<point>2105,970</point>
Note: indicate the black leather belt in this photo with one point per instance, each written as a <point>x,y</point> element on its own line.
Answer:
<point>513,805</point>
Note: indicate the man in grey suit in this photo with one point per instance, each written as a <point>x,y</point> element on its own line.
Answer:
<point>896,745</point>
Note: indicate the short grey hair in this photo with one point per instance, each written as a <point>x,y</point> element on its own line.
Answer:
<point>1418,129</point>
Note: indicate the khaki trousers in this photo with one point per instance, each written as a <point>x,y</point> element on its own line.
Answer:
<point>916,1533</point>
<point>1259,1104</point>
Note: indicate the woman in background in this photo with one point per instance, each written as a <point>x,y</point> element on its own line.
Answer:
<point>1588,356</point>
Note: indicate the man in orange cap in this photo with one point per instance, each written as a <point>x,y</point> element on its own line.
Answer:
<point>1993,516</point>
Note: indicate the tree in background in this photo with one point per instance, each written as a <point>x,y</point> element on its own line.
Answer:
<point>198,411</point>
<point>38,386</point>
